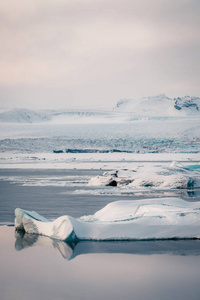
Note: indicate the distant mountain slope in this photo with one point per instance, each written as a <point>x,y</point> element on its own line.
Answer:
<point>160,105</point>
<point>56,116</point>
<point>125,110</point>
<point>24,116</point>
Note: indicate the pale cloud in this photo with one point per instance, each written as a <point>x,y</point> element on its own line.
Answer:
<point>90,52</point>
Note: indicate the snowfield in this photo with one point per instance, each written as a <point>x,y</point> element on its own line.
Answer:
<point>148,125</point>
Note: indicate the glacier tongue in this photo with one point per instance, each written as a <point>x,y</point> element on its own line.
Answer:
<point>163,218</point>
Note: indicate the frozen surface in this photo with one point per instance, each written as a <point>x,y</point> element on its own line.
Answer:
<point>104,161</point>
<point>148,125</point>
<point>139,136</point>
<point>164,218</point>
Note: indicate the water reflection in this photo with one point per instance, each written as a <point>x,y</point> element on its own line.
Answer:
<point>71,250</point>
<point>25,240</point>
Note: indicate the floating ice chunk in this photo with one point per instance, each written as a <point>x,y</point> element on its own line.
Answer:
<point>103,180</point>
<point>174,176</point>
<point>163,218</point>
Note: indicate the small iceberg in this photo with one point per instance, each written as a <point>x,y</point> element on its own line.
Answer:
<point>150,219</point>
<point>174,176</point>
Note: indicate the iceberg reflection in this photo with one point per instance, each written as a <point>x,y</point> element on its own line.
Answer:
<point>25,240</point>
<point>73,249</point>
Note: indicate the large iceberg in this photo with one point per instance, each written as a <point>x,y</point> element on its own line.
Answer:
<point>164,218</point>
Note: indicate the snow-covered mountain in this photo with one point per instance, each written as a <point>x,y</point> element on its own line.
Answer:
<point>125,110</point>
<point>55,116</point>
<point>160,105</point>
<point>22,115</point>
<point>187,104</point>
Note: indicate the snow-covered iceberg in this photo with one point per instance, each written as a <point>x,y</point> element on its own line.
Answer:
<point>174,176</point>
<point>165,218</point>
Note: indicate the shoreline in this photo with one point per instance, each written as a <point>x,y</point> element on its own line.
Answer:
<point>91,160</point>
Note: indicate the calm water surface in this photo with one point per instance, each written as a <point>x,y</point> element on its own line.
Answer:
<point>45,269</point>
<point>53,193</point>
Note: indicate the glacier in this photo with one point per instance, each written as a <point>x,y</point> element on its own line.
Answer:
<point>156,124</point>
<point>147,219</point>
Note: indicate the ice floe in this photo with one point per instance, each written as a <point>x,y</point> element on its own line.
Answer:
<point>164,218</point>
<point>175,176</point>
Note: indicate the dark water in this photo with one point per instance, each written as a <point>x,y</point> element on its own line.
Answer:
<point>53,193</point>
<point>50,201</point>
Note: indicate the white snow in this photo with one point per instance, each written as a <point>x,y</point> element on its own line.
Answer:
<point>104,161</point>
<point>157,176</point>
<point>160,105</point>
<point>163,218</point>
<point>125,110</point>
<point>24,116</point>
<point>130,135</point>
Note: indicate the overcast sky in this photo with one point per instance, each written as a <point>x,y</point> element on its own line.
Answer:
<point>91,53</point>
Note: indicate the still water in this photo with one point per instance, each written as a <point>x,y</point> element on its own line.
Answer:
<point>47,269</point>
<point>53,193</point>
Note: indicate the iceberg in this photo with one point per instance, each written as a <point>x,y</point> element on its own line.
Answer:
<point>175,176</point>
<point>148,219</point>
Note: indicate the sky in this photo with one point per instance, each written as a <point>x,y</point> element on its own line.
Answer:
<point>92,53</point>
